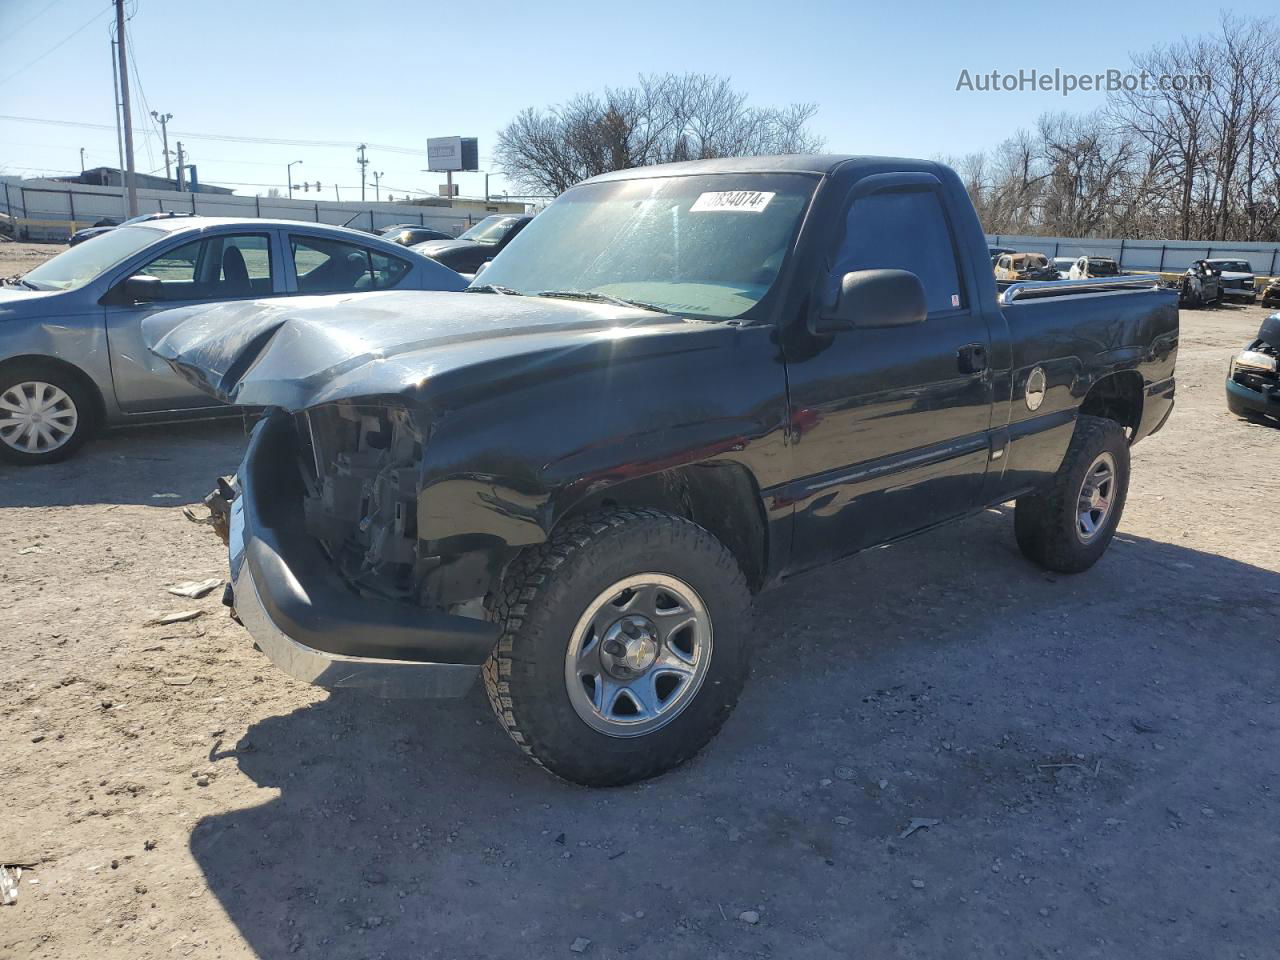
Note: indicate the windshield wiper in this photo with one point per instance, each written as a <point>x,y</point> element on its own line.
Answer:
<point>493,288</point>
<point>601,298</point>
<point>19,282</point>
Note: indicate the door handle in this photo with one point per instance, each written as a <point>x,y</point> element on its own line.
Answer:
<point>972,358</point>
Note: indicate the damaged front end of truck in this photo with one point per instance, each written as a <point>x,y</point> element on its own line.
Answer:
<point>343,572</point>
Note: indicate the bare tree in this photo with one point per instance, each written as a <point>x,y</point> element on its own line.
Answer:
<point>1178,157</point>
<point>663,118</point>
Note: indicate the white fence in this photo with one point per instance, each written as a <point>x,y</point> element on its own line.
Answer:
<point>53,210</point>
<point>1170,255</point>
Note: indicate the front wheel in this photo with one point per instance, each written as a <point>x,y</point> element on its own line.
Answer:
<point>45,414</point>
<point>625,646</point>
<point>1067,526</point>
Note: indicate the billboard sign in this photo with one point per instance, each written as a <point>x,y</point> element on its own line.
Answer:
<point>453,154</point>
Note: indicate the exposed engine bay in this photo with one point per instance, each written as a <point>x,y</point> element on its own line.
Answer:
<point>360,469</point>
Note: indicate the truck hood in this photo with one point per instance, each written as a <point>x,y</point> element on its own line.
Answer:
<point>297,352</point>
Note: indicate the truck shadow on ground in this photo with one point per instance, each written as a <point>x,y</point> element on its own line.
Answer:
<point>131,466</point>
<point>943,678</point>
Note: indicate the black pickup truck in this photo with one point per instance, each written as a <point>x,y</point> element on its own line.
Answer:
<point>677,387</point>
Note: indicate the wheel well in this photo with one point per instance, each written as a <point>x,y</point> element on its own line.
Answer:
<point>1117,397</point>
<point>722,498</point>
<point>68,369</point>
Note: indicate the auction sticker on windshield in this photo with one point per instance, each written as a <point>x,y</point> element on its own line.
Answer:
<point>739,201</point>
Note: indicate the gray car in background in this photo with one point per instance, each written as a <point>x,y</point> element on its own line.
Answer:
<point>71,352</point>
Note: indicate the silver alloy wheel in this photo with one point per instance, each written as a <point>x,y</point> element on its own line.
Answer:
<point>638,655</point>
<point>1097,497</point>
<point>36,417</point>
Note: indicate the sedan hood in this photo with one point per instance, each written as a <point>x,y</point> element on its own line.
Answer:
<point>20,301</point>
<point>297,352</point>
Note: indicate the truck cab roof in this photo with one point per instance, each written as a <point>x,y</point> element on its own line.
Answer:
<point>817,164</point>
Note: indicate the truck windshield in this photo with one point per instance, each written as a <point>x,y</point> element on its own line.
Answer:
<point>701,246</point>
<point>75,267</point>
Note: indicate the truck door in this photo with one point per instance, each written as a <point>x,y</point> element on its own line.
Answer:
<point>891,425</point>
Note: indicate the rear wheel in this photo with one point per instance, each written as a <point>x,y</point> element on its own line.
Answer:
<point>46,414</point>
<point>1068,526</point>
<point>625,646</point>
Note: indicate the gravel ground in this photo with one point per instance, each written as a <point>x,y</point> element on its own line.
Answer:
<point>1096,755</point>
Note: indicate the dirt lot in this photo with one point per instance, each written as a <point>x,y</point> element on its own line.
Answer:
<point>1100,750</point>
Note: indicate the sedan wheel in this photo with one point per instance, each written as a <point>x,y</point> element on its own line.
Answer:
<point>46,412</point>
<point>37,417</point>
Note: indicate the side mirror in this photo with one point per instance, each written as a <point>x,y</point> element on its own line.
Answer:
<point>141,288</point>
<point>874,298</point>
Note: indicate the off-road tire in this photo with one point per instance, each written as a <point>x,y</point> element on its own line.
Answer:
<point>544,593</point>
<point>1044,523</point>
<point>87,413</point>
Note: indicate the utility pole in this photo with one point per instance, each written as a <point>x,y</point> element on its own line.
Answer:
<point>131,185</point>
<point>181,169</point>
<point>115,89</point>
<point>163,119</point>
<point>289,173</point>
<point>486,187</point>
<point>364,162</point>
<point>377,185</point>
<point>82,159</point>
<point>337,198</point>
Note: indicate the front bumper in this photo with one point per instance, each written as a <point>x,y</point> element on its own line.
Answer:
<point>306,618</point>
<point>1242,400</point>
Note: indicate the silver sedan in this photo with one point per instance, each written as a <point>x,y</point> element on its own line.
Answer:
<point>72,357</point>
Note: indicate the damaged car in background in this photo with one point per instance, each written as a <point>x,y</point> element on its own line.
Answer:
<point>1200,285</point>
<point>678,386</point>
<point>1024,266</point>
<point>1253,382</point>
<point>1271,293</point>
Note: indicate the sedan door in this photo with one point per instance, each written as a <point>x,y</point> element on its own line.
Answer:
<point>192,270</point>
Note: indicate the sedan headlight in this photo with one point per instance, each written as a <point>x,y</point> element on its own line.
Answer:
<point>1254,360</point>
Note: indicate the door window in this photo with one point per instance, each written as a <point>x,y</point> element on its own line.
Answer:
<point>215,268</point>
<point>901,230</point>
<point>332,266</point>
<point>176,271</point>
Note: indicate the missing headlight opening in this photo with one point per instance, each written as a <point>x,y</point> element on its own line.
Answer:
<point>360,466</point>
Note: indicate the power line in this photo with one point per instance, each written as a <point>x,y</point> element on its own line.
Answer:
<point>277,141</point>
<point>31,19</point>
<point>142,95</point>
<point>31,63</point>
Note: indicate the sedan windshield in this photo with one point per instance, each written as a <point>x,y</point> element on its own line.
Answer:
<point>701,246</point>
<point>76,267</point>
<point>489,230</point>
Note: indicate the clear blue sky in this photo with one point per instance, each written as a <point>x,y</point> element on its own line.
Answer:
<point>883,76</point>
